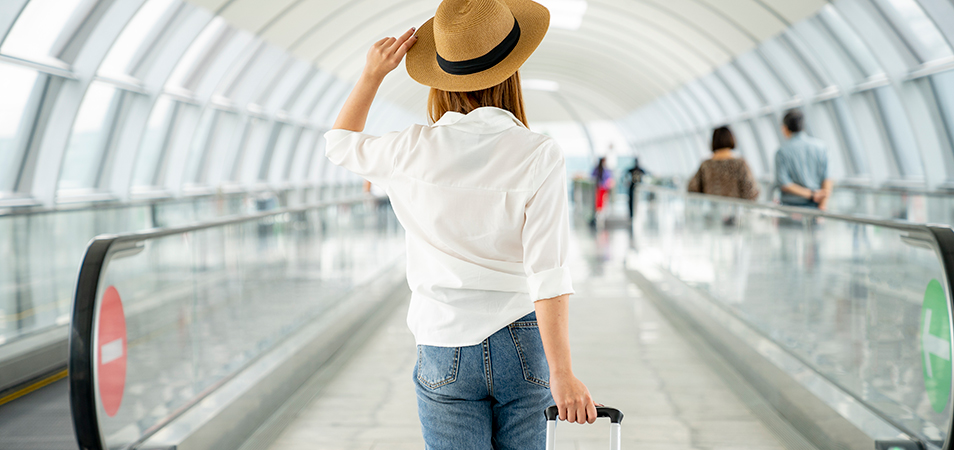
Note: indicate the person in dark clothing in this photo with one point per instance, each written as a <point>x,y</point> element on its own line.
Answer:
<point>635,176</point>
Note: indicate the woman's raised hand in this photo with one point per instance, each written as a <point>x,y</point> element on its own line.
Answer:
<point>386,54</point>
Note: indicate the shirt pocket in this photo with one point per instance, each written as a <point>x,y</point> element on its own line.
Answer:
<point>437,366</point>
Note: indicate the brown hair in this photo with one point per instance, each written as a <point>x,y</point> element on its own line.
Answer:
<point>507,95</point>
<point>722,138</point>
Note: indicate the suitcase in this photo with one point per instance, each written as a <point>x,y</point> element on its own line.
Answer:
<point>614,415</point>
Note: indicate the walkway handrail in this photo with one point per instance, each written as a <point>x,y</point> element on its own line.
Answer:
<point>812,212</point>
<point>936,238</point>
<point>100,250</point>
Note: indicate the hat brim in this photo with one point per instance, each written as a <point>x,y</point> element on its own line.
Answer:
<point>422,66</point>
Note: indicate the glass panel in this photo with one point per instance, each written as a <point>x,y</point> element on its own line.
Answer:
<point>763,77</point>
<point>281,154</point>
<point>38,27</point>
<point>726,100</point>
<point>874,136</point>
<point>943,84</point>
<point>766,127</point>
<point>848,299</point>
<point>196,50</point>
<point>253,149</point>
<point>917,28</point>
<point>837,63</point>
<point>823,126</point>
<point>200,306</point>
<point>741,87</point>
<point>155,139</point>
<point>199,146</point>
<point>84,154</point>
<point>304,154</point>
<point>16,85</point>
<point>36,293</point>
<point>713,110</point>
<point>861,55</point>
<point>888,48</point>
<point>788,67</point>
<point>901,135</point>
<point>132,37</point>
<point>223,140</point>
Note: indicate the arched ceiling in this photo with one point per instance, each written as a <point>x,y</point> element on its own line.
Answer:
<point>624,54</point>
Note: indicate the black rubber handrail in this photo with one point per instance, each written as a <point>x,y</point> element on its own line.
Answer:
<point>81,353</point>
<point>941,235</point>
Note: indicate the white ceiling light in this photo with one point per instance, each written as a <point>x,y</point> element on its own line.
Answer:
<point>541,85</point>
<point>565,14</point>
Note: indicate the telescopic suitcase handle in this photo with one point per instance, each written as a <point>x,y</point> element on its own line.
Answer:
<point>614,415</point>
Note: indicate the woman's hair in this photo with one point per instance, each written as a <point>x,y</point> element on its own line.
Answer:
<point>722,138</point>
<point>507,95</point>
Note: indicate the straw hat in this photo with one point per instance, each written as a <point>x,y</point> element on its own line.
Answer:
<point>471,45</point>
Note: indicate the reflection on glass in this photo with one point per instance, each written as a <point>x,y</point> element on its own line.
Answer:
<point>125,47</point>
<point>81,163</point>
<point>844,297</point>
<point>154,141</point>
<point>38,28</point>
<point>16,84</point>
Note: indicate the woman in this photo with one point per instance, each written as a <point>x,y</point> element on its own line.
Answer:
<point>483,201</point>
<point>725,174</point>
<point>603,179</point>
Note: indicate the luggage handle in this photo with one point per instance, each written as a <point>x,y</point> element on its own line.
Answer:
<point>615,416</point>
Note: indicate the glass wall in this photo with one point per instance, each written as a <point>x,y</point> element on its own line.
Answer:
<point>873,78</point>
<point>107,100</point>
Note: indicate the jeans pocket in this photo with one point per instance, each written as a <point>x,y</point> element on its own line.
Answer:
<point>526,337</point>
<point>437,366</point>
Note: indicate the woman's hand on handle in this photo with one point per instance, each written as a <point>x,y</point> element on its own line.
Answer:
<point>572,399</point>
<point>384,56</point>
<point>570,395</point>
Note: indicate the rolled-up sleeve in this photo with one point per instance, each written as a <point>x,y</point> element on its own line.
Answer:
<point>371,157</point>
<point>546,236</point>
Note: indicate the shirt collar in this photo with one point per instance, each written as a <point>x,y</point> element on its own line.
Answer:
<point>486,119</point>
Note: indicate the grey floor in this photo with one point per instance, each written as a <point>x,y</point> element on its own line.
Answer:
<point>39,420</point>
<point>623,349</point>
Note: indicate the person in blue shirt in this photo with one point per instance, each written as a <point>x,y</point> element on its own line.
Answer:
<point>801,166</point>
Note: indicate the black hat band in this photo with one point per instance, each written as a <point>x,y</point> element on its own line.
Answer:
<point>482,63</point>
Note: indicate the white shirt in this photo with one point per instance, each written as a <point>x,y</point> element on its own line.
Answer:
<point>483,201</point>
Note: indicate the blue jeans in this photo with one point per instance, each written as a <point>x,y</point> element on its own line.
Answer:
<point>486,396</point>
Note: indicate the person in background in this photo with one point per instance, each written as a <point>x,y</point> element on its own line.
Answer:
<point>801,166</point>
<point>603,180</point>
<point>725,174</point>
<point>635,176</point>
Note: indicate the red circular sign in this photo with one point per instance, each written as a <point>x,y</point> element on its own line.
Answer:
<point>111,351</point>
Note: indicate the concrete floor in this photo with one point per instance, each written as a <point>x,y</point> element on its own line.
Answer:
<point>623,349</point>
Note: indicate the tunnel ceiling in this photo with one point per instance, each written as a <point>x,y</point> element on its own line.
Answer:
<point>622,54</point>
